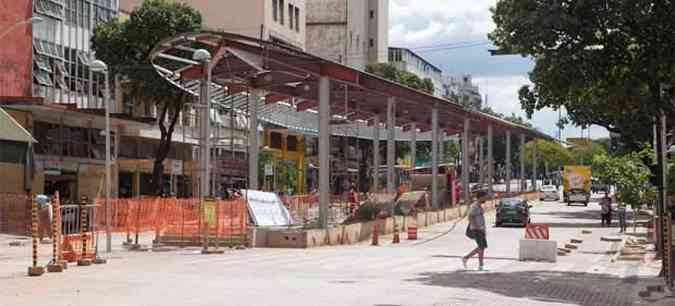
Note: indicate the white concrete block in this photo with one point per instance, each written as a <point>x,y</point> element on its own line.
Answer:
<point>539,250</point>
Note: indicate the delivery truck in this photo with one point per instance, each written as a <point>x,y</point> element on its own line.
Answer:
<point>577,184</point>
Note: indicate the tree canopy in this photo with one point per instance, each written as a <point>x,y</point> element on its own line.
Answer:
<point>548,152</point>
<point>126,45</point>
<point>603,61</point>
<point>390,72</point>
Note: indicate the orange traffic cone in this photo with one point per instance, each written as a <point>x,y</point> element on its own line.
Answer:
<point>412,233</point>
<point>376,238</point>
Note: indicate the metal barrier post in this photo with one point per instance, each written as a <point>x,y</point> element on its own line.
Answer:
<point>83,261</point>
<point>55,265</point>
<point>97,260</point>
<point>35,270</point>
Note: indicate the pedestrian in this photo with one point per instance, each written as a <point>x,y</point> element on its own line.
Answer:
<point>476,231</point>
<point>621,212</point>
<point>606,210</point>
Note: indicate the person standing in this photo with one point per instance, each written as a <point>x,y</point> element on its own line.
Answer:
<point>621,213</point>
<point>476,231</point>
<point>605,210</point>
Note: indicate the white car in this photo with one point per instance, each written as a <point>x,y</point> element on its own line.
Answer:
<point>549,192</point>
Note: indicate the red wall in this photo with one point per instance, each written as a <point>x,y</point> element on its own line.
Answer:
<point>15,49</point>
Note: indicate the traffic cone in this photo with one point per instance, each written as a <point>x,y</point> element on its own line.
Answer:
<point>412,233</point>
<point>376,238</point>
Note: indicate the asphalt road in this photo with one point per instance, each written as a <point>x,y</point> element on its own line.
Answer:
<point>419,272</point>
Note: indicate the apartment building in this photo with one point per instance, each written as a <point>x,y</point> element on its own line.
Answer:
<point>282,21</point>
<point>353,33</point>
<point>463,90</point>
<point>407,60</point>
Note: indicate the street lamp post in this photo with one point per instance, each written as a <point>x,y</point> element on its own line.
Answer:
<point>204,57</point>
<point>100,66</point>
<point>32,20</point>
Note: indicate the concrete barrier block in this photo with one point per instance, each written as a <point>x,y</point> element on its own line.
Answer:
<point>538,250</point>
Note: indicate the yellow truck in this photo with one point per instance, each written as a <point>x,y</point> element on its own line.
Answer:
<point>577,184</point>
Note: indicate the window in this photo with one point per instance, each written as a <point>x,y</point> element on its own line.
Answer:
<point>12,152</point>
<point>371,43</point>
<point>297,19</point>
<point>48,8</point>
<point>42,63</point>
<point>372,14</point>
<point>290,16</point>
<point>275,10</point>
<point>292,143</point>
<point>42,77</point>
<point>281,11</point>
<point>275,140</point>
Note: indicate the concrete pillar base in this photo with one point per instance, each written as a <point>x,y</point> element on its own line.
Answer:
<point>84,262</point>
<point>36,271</point>
<point>100,261</point>
<point>210,251</point>
<point>54,268</point>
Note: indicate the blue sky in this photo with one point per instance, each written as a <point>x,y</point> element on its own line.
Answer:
<point>417,23</point>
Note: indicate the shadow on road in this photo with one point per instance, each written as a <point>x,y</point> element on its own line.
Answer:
<point>550,286</point>
<point>486,257</point>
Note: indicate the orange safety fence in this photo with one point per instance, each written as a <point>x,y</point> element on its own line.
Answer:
<point>15,213</point>
<point>172,216</point>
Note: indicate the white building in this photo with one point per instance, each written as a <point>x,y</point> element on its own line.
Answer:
<point>463,90</point>
<point>407,60</point>
<point>353,33</point>
<point>281,21</point>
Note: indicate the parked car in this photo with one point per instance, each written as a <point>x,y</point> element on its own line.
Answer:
<point>513,211</point>
<point>549,192</point>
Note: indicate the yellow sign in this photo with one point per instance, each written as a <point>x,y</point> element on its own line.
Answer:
<point>209,211</point>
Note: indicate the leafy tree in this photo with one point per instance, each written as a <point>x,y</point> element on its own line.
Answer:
<point>125,45</point>
<point>603,61</point>
<point>517,120</point>
<point>549,152</point>
<point>390,72</point>
<point>583,155</point>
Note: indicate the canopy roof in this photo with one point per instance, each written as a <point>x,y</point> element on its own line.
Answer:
<point>282,73</point>
<point>12,130</point>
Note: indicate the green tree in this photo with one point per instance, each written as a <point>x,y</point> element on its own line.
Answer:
<point>583,154</point>
<point>549,152</point>
<point>603,61</point>
<point>126,45</point>
<point>390,72</point>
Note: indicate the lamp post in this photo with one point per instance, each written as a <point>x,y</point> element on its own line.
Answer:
<point>32,20</point>
<point>100,66</point>
<point>204,57</point>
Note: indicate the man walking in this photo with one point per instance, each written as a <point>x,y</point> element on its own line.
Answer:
<point>476,231</point>
<point>606,210</point>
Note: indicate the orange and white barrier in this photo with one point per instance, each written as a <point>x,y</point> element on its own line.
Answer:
<point>537,231</point>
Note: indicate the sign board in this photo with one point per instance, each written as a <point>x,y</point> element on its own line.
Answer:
<point>266,209</point>
<point>209,211</point>
<point>269,170</point>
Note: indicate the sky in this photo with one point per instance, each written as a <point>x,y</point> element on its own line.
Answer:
<point>452,35</point>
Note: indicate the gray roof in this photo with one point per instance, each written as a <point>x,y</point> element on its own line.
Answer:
<point>12,130</point>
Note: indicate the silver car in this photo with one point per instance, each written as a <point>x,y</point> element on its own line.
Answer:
<point>549,192</point>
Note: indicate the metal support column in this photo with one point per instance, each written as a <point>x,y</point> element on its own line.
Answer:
<point>324,150</point>
<point>481,160</point>
<point>253,148</point>
<point>413,150</point>
<point>204,129</point>
<point>490,161</point>
<point>508,161</point>
<point>534,166</point>
<point>466,168</point>
<point>376,154</point>
<point>523,184</point>
<point>434,157</point>
<point>391,144</point>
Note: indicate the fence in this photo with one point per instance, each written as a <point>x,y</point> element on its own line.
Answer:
<point>177,221</point>
<point>15,214</point>
<point>304,209</point>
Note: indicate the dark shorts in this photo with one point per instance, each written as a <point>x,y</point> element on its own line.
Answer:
<point>479,237</point>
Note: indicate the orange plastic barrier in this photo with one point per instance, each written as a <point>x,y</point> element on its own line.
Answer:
<point>15,213</point>
<point>71,248</point>
<point>536,231</point>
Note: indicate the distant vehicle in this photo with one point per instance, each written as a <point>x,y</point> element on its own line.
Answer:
<point>577,184</point>
<point>513,211</point>
<point>549,192</point>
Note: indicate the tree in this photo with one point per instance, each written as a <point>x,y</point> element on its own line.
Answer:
<point>390,72</point>
<point>126,45</point>
<point>603,61</point>
<point>549,152</point>
<point>583,154</point>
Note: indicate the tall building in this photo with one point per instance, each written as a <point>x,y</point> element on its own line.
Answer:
<point>463,90</point>
<point>407,60</point>
<point>353,33</point>
<point>281,21</point>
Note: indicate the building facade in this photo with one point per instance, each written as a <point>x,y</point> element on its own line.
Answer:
<point>280,21</point>
<point>353,33</point>
<point>463,90</point>
<point>407,60</point>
